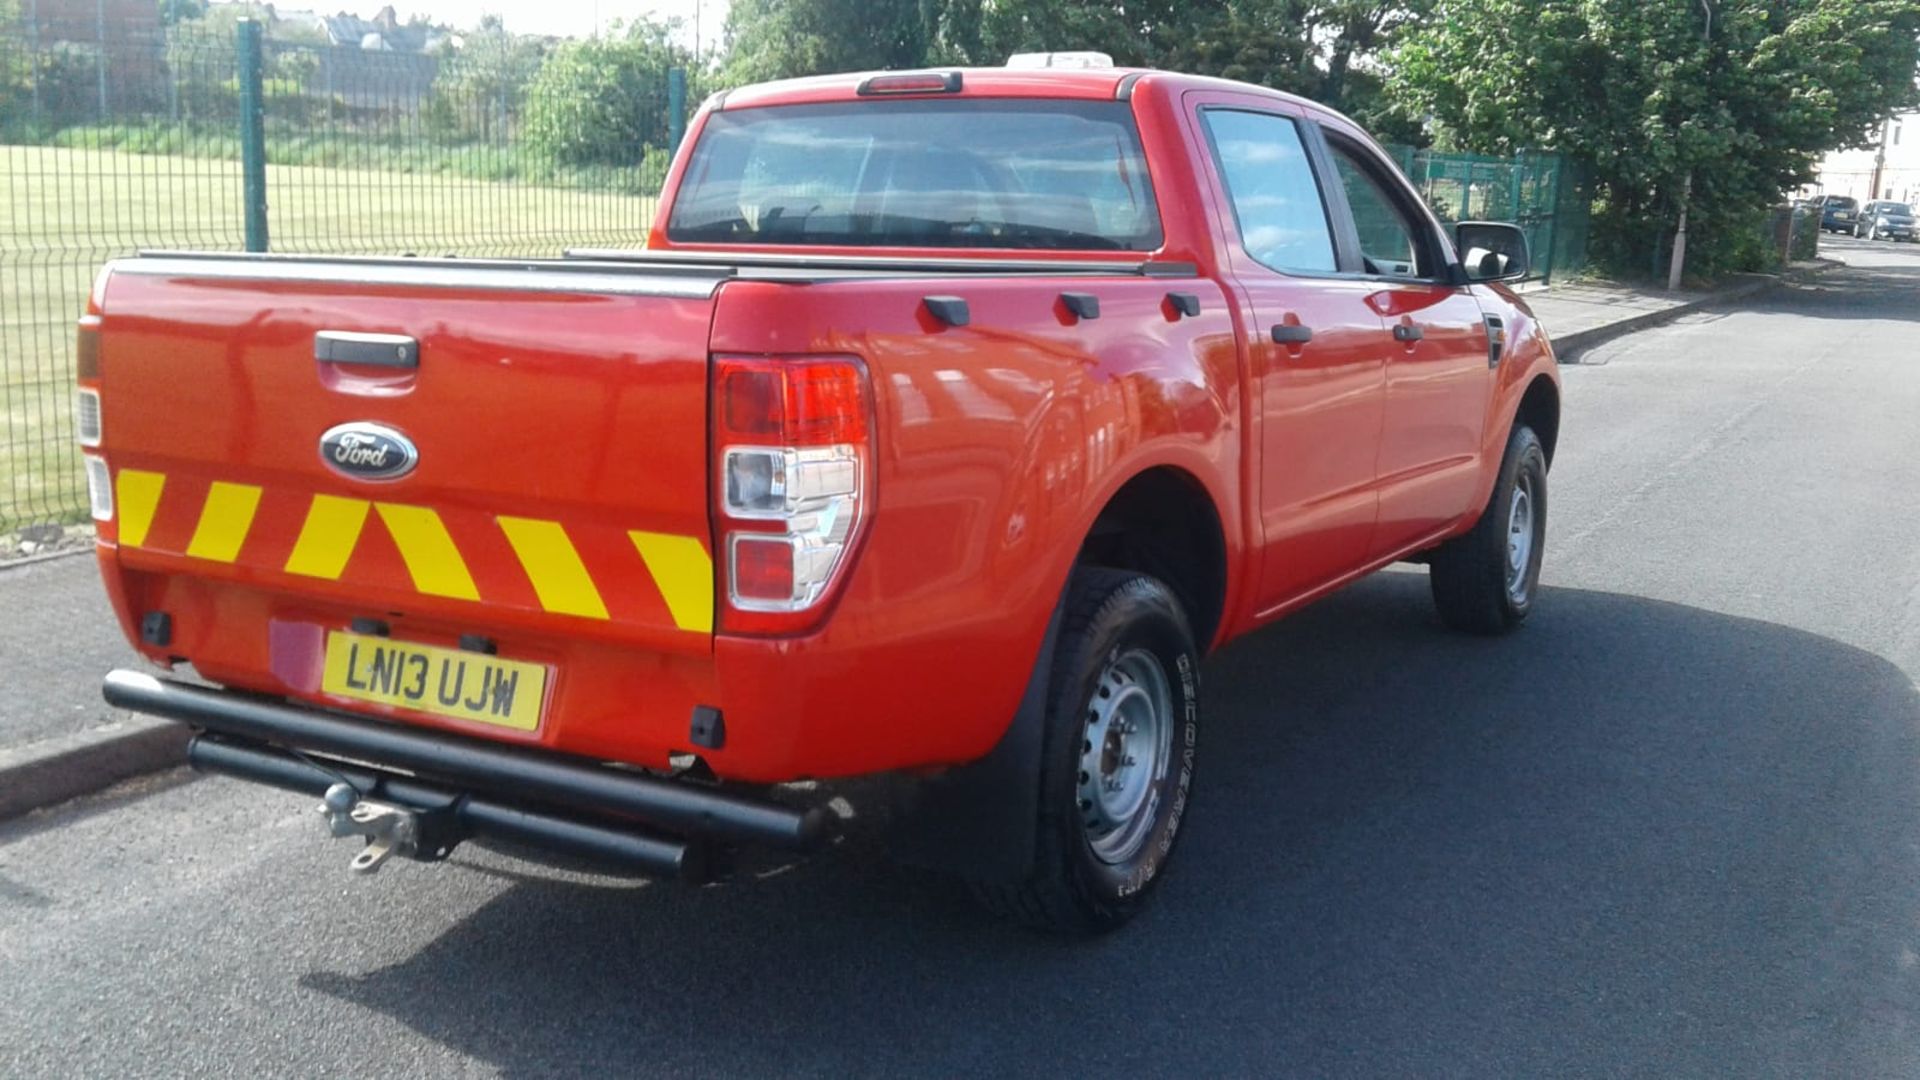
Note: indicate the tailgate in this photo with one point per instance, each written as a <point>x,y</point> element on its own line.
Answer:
<point>492,446</point>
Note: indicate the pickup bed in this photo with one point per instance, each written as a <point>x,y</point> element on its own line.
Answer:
<point>946,421</point>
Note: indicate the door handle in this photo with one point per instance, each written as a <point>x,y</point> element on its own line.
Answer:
<point>1292,334</point>
<point>1407,332</point>
<point>378,350</point>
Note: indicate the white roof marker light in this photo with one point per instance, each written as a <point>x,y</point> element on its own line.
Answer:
<point>1060,60</point>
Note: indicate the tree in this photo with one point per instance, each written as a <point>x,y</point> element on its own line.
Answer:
<point>480,91</point>
<point>1313,47</point>
<point>175,11</point>
<point>1670,109</point>
<point>778,39</point>
<point>604,100</point>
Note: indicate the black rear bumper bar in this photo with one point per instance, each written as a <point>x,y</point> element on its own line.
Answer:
<point>519,793</point>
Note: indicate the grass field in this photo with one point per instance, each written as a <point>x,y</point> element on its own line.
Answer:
<point>64,211</point>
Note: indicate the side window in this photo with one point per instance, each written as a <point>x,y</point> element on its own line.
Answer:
<point>1389,239</point>
<point>1283,222</point>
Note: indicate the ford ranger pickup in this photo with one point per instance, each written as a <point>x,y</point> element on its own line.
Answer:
<point>942,426</point>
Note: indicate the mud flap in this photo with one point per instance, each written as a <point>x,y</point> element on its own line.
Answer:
<point>978,820</point>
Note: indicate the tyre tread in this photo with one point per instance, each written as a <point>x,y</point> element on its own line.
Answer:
<point>1052,902</point>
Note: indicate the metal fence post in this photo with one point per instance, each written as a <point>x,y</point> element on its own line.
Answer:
<point>253,135</point>
<point>1553,215</point>
<point>676,107</point>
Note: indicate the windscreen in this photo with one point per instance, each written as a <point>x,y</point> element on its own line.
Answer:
<point>1840,202</point>
<point>979,173</point>
<point>1895,209</point>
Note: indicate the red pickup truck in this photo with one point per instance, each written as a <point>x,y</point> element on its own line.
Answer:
<point>944,424</point>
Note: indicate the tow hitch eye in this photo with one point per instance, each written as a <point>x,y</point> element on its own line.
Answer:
<point>390,830</point>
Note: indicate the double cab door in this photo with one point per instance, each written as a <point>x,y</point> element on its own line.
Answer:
<point>1369,370</point>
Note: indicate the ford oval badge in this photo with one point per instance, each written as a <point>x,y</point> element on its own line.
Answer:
<point>368,451</point>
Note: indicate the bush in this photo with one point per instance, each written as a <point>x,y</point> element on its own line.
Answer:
<point>603,102</point>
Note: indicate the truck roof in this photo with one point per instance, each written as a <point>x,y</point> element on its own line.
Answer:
<point>1093,84</point>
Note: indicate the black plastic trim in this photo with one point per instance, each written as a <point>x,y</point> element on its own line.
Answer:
<point>478,643</point>
<point>1082,305</point>
<point>1158,269</point>
<point>1124,91</point>
<point>708,728</point>
<point>979,820</point>
<point>951,310</point>
<point>1291,334</point>
<point>1184,303</point>
<point>373,350</point>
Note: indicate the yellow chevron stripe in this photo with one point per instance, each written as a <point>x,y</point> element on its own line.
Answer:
<point>137,495</point>
<point>327,537</point>
<point>684,573</point>
<point>431,558</point>
<point>224,521</point>
<point>559,577</point>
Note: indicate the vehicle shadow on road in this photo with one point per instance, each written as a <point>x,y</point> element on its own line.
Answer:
<point>1635,837</point>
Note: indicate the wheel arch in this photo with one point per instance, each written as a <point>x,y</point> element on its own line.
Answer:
<point>1539,409</point>
<point>1163,521</point>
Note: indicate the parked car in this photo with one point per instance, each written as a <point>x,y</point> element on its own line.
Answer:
<point>945,423</point>
<point>1838,213</point>
<point>1883,220</point>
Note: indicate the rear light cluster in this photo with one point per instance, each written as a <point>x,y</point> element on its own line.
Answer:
<point>87,427</point>
<point>793,439</point>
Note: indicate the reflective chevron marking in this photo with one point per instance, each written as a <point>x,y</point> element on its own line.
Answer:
<point>328,536</point>
<point>224,520</point>
<point>684,573</point>
<point>137,495</point>
<point>331,531</point>
<point>432,560</point>
<point>559,578</point>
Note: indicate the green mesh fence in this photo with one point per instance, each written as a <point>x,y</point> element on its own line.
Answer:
<point>1547,195</point>
<point>118,134</point>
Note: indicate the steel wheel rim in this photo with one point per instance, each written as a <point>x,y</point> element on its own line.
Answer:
<point>1125,750</point>
<point>1520,538</point>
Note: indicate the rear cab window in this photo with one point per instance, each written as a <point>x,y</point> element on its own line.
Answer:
<point>1277,205</point>
<point>969,173</point>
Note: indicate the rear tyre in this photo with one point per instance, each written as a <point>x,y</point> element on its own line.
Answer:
<point>1484,581</point>
<point>1123,708</point>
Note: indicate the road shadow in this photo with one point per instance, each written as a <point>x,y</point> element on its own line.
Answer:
<point>1870,287</point>
<point>1634,838</point>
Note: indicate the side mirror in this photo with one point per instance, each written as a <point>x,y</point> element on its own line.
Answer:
<point>1492,250</point>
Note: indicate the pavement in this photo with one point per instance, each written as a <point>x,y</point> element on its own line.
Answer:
<point>1579,315</point>
<point>1672,827</point>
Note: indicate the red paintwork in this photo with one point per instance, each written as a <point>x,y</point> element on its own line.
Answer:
<point>996,445</point>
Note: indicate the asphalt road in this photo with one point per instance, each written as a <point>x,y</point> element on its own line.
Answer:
<point>57,626</point>
<point>1672,828</point>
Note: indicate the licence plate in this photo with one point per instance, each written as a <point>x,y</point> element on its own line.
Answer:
<point>444,682</point>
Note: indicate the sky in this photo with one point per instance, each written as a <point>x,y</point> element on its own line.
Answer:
<point>568,18</point>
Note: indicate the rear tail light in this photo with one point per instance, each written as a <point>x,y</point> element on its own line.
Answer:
<point>86,416</point>
<point>99,488</point>
<point>792,440</point>
<point>87,350</point>
<point>86,366</point>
